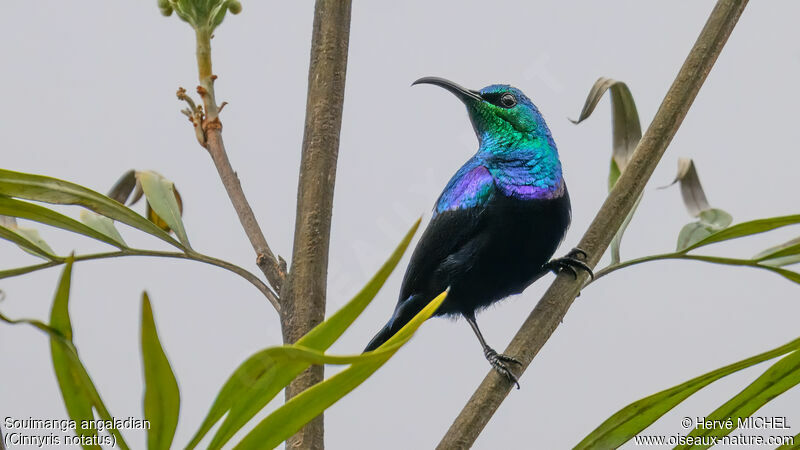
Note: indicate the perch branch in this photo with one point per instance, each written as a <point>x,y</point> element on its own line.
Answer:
<point>550,310</point>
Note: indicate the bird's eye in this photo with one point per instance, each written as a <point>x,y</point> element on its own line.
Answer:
<point>508,100</point>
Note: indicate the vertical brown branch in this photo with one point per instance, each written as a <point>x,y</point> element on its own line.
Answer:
<point>303,295</point>
<point>551,309</point>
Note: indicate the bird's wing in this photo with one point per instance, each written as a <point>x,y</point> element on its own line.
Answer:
<point>454,233</point>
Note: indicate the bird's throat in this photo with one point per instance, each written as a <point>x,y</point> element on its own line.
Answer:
<point>526,170</point>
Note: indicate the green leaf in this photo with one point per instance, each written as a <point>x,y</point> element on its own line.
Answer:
<point>161,396</point>
<point>102,225</point>
<point>746,229</point>
<point>782,376</point>
<point>692,233</point>
<point>632,419</point>
<point>50,190</point>
<point>259,379</point>
<point>711,221</point>
<point>29,240</point>
<point>792,443</point>
<point>626,134</point>
<point>161,197</point>
<point>77,388</point>
<point>781,255</point>
<point>307,405</point>
<point>72,377</point>
<point>30,211</point>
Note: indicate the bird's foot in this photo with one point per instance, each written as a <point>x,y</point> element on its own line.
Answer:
<point>570,262</point>
<point>499,363</point>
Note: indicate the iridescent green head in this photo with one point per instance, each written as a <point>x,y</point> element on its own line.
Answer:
<point>501,115</point>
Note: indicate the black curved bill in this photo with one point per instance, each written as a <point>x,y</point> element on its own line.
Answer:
<point>460,91</point>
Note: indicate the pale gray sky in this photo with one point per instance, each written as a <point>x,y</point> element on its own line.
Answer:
<point>89,94</point>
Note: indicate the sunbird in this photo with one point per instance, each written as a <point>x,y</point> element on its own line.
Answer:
<point>498,222</point>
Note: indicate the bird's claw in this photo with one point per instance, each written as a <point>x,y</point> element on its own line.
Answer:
<point>498,362</point>
<point>569,262</point>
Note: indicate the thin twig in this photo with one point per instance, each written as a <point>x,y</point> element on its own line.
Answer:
<point>209,131</point>
<point>193,256</point>
<point>303,297</point>
<point>550,310</point>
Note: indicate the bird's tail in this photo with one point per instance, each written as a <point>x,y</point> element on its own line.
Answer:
<point>405,311</point>
<point>381,337</point>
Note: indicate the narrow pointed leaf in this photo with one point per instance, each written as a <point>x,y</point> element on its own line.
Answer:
<point>102,225</point>
<point>258,380</point>
<point>781,255</point>
<point>79,375</point>
<point>626,134</point>
<point>77,389</point>
<point>632,419</point>
<point>307,405</point>
<point>77,394</point>
<point>325,334</point>
<point>29,240</point>
<point>51,190</point>
<point>30,211</point>
<point>782,376</point>
<point>161,396</point>
<point>161,197</point>
<point>747,229</point>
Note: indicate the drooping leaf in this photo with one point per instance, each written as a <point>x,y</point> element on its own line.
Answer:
<point>694,197</point>
<point>164,205</point>
<point>304,407</point>
<point>161,396</point>
<point>51,190</point>
<point>627,130</point>
<point>102,225</point>
<point>256,382</point>
<point>30,211</point>
<point>710,220</point>
<point>782,376</point>
<point>626,134</point>
<point>122,189</point>
<point>632,419</point>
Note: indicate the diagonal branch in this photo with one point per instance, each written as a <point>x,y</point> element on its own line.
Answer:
<point>550,310</point>
<point>209,133</point>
